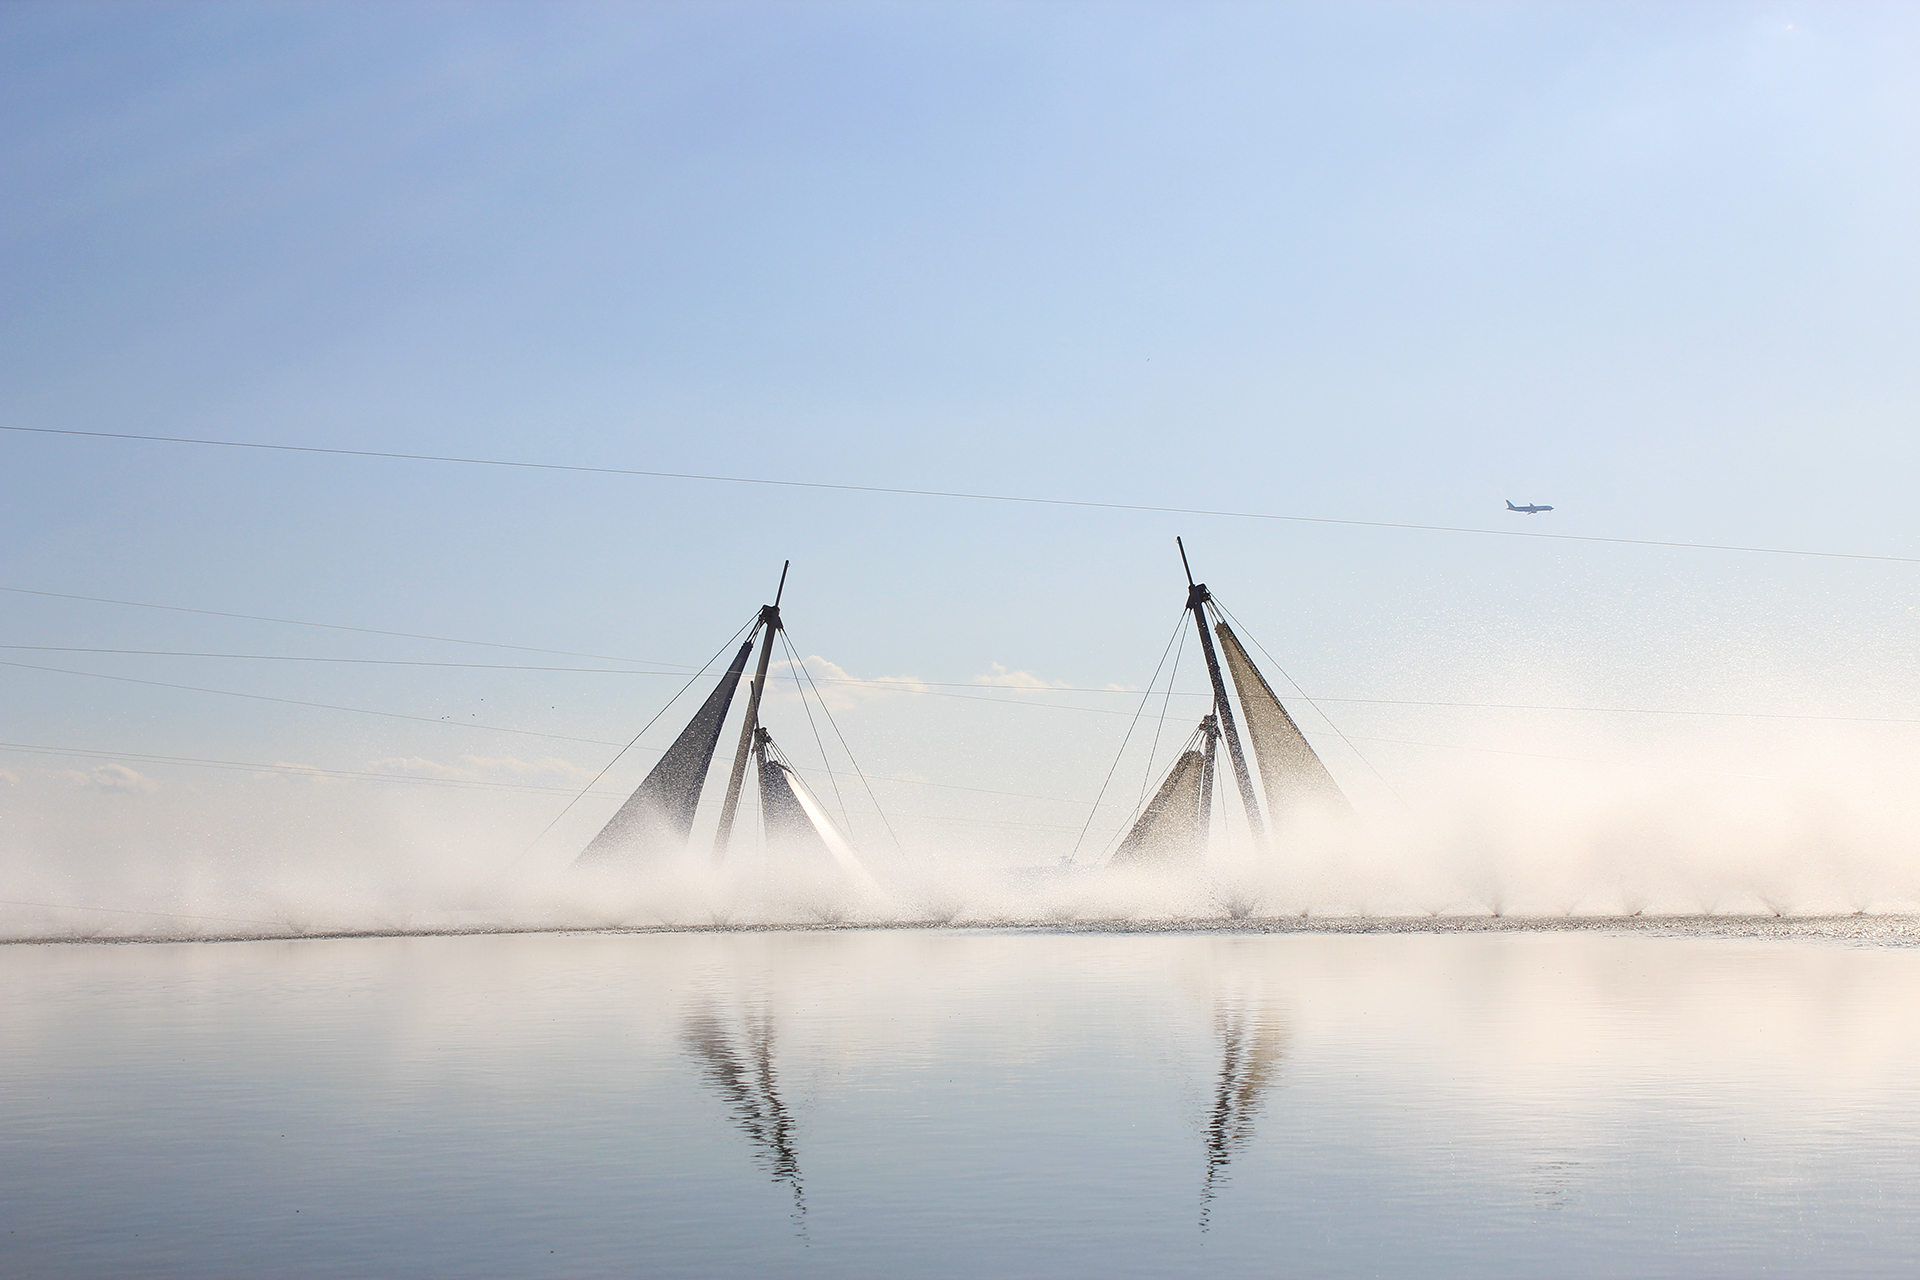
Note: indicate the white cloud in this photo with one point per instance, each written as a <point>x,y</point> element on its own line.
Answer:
<point>838,688</point>
<point>297,773</point>
<point>482,768</point>
<point>1006,679</point>
<point>111,777</point>
<point>1002,678</point>
<point>420,766</point>
<point>527,768</point>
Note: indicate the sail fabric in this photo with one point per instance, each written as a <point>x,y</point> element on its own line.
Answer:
<point>787,823</point>
<point>1169,830</point>
<point>658,816</point>
<point>794,818</point>
<point>1290,773</point>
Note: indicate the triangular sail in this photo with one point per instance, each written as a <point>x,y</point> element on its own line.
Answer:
<point>787,822</point>
<point>1290,772</point>
<point>1170,829</point>
<point>658,816</point>
<point>795,819</point>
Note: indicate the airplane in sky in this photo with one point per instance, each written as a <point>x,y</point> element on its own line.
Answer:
<point>1529,510</point>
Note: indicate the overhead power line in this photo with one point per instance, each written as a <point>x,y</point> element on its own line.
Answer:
<point>904,684</point>
<point>1627,711</point>
<point>297,771</point>
<point>1538,755</point>
<point>302,770</point>
<point>929,689</point>
<point>364,662</point>
<point>285,770</point>
<point>328,626</point>
<point>471,724</point>
<point>900,684</point>
<point>951,494</point>
<point>295,702</point>
<point>375,776</point>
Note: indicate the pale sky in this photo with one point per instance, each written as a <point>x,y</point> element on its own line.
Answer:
<point>1652,264</point>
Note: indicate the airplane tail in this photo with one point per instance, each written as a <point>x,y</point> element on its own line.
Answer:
<point>1510,505</point>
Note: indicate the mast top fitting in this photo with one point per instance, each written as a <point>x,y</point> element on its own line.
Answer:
<point>770,613</point>
<point>1197,593</point>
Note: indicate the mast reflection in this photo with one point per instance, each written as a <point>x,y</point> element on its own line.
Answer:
<point>1252,1048</point>
<point>736,1058</point>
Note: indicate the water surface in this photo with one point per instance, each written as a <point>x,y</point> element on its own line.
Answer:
<point>952,1103</point>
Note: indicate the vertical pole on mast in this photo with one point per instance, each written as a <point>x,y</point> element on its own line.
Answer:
<point>1197,597</point>
<point>1210,727</point>
<point>770,620</point>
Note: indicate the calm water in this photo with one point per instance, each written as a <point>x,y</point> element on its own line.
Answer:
<point>963,1103</point>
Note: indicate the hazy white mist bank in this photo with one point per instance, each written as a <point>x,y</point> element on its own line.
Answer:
<point>1832,831</point>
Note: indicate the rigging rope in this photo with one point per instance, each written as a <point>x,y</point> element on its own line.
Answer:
<point>1146,779</point>
<point>1075,851</point>
<point>827,764</point>
<point>858,771</point>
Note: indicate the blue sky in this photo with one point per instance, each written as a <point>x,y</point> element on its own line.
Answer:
<point>1652,264</point>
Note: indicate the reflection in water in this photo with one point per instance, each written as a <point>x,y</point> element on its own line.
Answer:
<point>968,1104</point>
<point>1251,1049</point>
<point>1552,1181</point>
<point>736,1057</point>
<point>734,1048</point>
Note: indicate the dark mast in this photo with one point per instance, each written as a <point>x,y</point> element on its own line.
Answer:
<point>769,621</point>
<point>1197,597</point>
